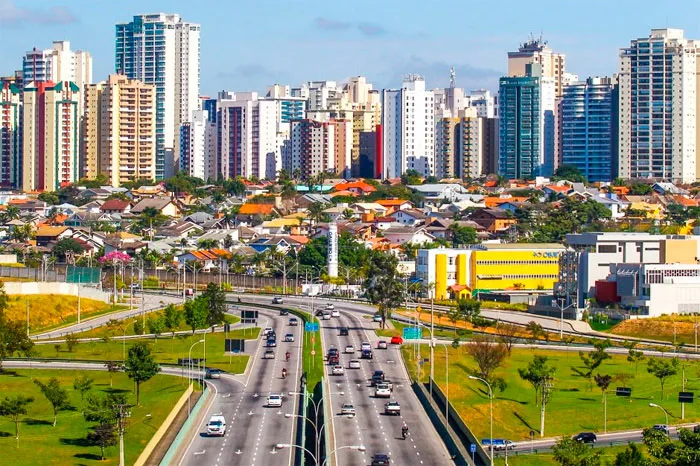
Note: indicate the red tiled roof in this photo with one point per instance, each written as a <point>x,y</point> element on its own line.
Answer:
<point>255,209</point>
<point>344,193</point>
<point>299,239</point>
<point>559,189</point>
<point>361,185</point>
<point>114,204</point>
<point>392,202</point>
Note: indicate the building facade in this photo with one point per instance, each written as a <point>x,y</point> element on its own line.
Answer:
<point>163,50</point>
<point>59,63</point>
<point>50,142</point>
<point>409,129</point>
<point>198,146</point>
<point>586,112</point>
<point>10,135</point>
<point>536,51</point>
<point>658,122</point>
<point>313,148</point>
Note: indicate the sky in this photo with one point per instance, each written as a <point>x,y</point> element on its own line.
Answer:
<point>248,45</point>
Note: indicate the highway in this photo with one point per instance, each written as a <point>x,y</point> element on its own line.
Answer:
<point>253,429</point>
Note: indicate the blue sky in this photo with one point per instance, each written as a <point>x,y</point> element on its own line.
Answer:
<point>247,45</point>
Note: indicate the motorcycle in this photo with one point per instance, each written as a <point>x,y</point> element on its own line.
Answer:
<point>287,355</point>
<point>404,432</point>
<point>284,373</point>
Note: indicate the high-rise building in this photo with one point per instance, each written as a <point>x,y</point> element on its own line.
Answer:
<point>119,130</point>
<point>198,146</point>
<point>59,63</point>
<point>409,129</point>
<point>10,135</point>
<point>247,136</point>
<point>368,164</point>
<point>163,50</point>
<point>527,125</point>
<point>313,148</point>
<point>536,51</point>
<point>586,115</point>
<point>50,126</point>
<point>658,121</point>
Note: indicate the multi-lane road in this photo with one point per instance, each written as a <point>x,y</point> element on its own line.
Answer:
<point>253,429</point>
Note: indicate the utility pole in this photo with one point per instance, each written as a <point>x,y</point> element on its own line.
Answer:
<point>683,389</point>
<point>122,414</point>
<point>78,297</point>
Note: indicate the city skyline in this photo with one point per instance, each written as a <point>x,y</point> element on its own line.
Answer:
<point>336,43</point>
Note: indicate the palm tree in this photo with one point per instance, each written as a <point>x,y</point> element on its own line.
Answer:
<point>316,213</point>
<point>12,212</point>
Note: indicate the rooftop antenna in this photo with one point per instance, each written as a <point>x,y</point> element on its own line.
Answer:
<point>452,77</point>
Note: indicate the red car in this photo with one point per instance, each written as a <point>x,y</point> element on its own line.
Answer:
<point>396,340</point>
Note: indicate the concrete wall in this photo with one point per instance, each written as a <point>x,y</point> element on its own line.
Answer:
<point>29,288</point>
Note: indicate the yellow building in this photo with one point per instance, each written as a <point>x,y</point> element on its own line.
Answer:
<point>489,268</point>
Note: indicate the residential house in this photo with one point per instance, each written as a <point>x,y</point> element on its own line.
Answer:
<point>557,189</point>
<point>394,205</point>
<point>220,237</point>
<point>199,218</point>
<point>116,206</point>
<point>440,192</point>
<point>250,213</point>
<point>206,258</point>
<point>400,234</point>
<point>164,206</point>
<point>359,187</point>
<point>669,188</point>
<point>280,243</point>
<point>494,220</point>
<point>46,235</point>
<point>369,207</point>
<point>410,217</point>
<point>180,229</point>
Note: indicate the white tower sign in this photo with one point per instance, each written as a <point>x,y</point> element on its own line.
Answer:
<point>333,249</point>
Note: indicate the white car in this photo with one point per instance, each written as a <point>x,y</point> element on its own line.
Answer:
<point>274,400</point>
<point>365,346</point>
<point>326,316</point>
<point>338,370</point>
<point>289,337</point>
<point>216,426</point>
<point>266,331</point>
<point>277,300</point>
<point>330,306</point>
<point>349,349</point>
<point>382,391</point>
<point>382,345</point>
<point>347,409</point>
<point>354,364</point>
<point>335,314</point>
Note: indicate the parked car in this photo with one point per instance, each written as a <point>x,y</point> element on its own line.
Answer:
<point>382,344</point>
<point>382,391</point>
<point>380,459</point>
<point>661,428</point>
<point>377,318</point>
<point>349,349</point>
<point>583,437</point>
<point>392,408</point>
<point>354,364</point>
<point>274,400</point>
<point>216,426</point>
<point>289,338</point>
<point>337,370</point>
<point>499,444</point>
<point>347,409</point>
<point>277,300</point>
<point>269,354</point>
<point>293,321</point>
<point>343,331</point>
<point>396,340</point>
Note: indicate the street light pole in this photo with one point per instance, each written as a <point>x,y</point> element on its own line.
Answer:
<point>654,405</point>
<point>490,414</point>
<point>189,375</point>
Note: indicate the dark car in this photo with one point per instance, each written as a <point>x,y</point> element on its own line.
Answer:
<point>367,354</point>
<point>319,313</point>
<point>586,437</point>
<point>344,331</point>
<point>661,428</point>
<point>696,429</point>
<point>380,459</point>
<point>284,312</point>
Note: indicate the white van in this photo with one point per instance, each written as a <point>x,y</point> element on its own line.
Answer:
<point>216,426</point>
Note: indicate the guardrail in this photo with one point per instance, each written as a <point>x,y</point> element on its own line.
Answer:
<point>191,421</point>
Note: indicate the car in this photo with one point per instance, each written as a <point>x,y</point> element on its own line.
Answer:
<point>293,321</point>
<point>696,429</point>
<point>367,354</point>
<point>337,370</point>
<point>289,338</point>
<point>354,364</point>
<point>378,375</point>
<point>365,346</point>
<point>396,340</point>
<point>392,408</point>
<point>343,331</point>
<point>382,344</point>
<point>216,426</point>
<point>266,331</point>
<point>661,428</point>
<point>349,349</point>
<point>332,352</point>
<point>277,300</point>
<point>319,312</point>
<point>274,400</point>
<point>380,459</point>
<point>377,318</point>
<point>335,313</point>
<point>499,444</point>
<point>330,306</point>
<point>271,343</point>
<point>326,316</point>
<point>347,409</point>
<point>382,390</point>
<point>213,373</point>
<point>269,354</point>
<point>284,312</point>
<point>583,437</point>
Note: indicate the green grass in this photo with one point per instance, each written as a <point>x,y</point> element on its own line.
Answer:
<point>40,443</point>
<point>425,333</point>
<point>602,325</point>
<point>312,363</point>
<point>117,330</point>
<point>545,459</point>
<point>574,407</point>
<point>165,349</point>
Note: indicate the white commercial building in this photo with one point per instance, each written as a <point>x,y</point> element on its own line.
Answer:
<point>163,50</point>
<point>658,117</point>
<point>409,129</point>
<point>198,146</point>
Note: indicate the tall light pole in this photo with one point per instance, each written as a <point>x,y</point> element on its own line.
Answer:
<point>189,376</point>
<point>654,405</point>
<point>490,413</point>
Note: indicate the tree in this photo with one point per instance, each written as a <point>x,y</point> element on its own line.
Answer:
<point>569,173</point>
<point>155,325</point>
<point>488,357</point>
<point>112,367</point>
<point>540,375</point>
<point>411,177</point>
<point>172,316</point>
<point>139,328</point>
<point>316,212</point>
<point>83,385</point>
<point>592,363</point>
<point>382,286</point>
<point>453,316</point>
<point>197,313</point>
<point>662,369</point>
<point>535,329</point>
<point>140,366</point>
<point>15,408</point>
<point>66,246</point>
<point>569,452</point>
<point>71,342</point>
<point>507,335</point>
<point>102,435</point>
<point>664,451</point>
<point>462,235</point>
<point>50,197</point>
<point>55,394</point>
<point>640,189</point>
<point>634,356</point>
<point>216,303</point>
<point>469,309</point>
<point>630,456</point>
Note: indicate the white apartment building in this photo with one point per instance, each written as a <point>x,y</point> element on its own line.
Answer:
<point>537,51</point>
<point>408,118</point>
<point>198,146</point>
<point>484,102</point>
<point>658,117</point>
<point>163,50</point>
<point>59,63</point>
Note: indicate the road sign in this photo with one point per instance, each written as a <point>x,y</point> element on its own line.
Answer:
<point>623,391</point>
<point>685,397</point>
<point>419,309</point>
<point>412,333</point>
<point>311,326</point>
<point>313,352</point>
<point>472,448</point>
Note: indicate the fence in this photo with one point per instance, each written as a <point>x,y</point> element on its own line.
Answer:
<point>30,273</point>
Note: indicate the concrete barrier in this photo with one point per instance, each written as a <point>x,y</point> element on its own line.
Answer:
<point>29,288</point>
<point>158,436</point>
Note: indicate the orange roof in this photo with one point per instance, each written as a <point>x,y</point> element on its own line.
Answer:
<point>391,202</point>
<point>255,209</point>
<point>50,231</point>
<point>496,201</point>
<point>684,201</point>
<point>299,239</point>
<point>491,184</point>
<point>344,193</point>
<point>18,201</point>
<point>559,189</point>
<point>361,185</point>
<point>622,190</point>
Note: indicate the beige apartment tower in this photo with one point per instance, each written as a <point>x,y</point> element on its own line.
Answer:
<point>537,51</point>
<point>119,130</point>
